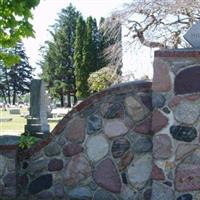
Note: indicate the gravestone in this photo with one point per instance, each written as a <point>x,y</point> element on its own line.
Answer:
<point>193,35</point>
<point>37,121</point>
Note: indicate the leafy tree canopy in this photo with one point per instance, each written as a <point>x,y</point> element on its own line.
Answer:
<point>15,24</point>
<point>103,78</point>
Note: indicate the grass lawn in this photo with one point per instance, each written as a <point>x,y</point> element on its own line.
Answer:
<point>16,125</point>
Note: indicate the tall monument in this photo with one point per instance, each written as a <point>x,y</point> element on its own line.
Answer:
<point>37,121</point>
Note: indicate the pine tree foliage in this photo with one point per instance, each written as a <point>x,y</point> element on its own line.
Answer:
<point>88,55</point>
<point>15,81</point>
<point>58,67</point>
<point>78,57</point>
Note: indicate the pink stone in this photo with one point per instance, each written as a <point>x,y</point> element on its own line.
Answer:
<point>144,127</point>
<point>161,79</point>
<point>159,121</point>
<point>106,176</point>
<point>76,130</point>
<point>115,127</point>
<point>187,178</point>
<point>55,165</point>
<point>184,149</point>
<point>157,173</point>
<point>78,169</point>
<point>162,146</point>
<point>193,97</point>
<point>72,149</point>
<point>175,101</point>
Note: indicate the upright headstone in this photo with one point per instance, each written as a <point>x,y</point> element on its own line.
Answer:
<point>37,121</point>
<point>193,35</point>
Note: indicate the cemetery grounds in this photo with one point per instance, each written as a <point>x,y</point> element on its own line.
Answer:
<point>13,124</point>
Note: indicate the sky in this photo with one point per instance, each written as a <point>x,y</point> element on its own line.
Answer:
<point>46,13</point>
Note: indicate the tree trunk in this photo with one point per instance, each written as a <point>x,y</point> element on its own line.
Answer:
<point>62,100</point>
<point>14,97</point>
<point>75,99</point>
<point>69,100</point>
<point>9,99</point>
<point>8,87</point>
<point>4,97</point>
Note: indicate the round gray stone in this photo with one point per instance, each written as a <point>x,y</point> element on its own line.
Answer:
<point>52,149</point>
<point>97,147</point>
<point>141,144</point>
<point>187,112</point>
<point>139,172</point>
<point>103,195</point>
<point>158,100</point>
<point>80,193</point>
<point>161,191</point>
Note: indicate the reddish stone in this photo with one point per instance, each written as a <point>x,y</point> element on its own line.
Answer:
<point>144,127</point>
<point>181,86</point>
<point>106,176</point>
<point>177,54</point>
<point>125,160</point>
<point>187,178</point>
<point>23,180</point>
<point>72,149</point>
<point>55,165</point>
<point>193,97</point>
<point>161,78</point>
<point>175,101</point>
<point>159,121</point>
<point>114,128</point>
<point>76,130</point>
<point>78,169</point>
<point>157,173</point>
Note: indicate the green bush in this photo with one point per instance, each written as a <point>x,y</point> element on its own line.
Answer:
<point>26,141</point>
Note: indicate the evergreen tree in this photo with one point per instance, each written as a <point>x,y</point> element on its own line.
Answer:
<point>15,81</point>
<point>59,56</point>
<point>78,57</point>
<point>89,56</point>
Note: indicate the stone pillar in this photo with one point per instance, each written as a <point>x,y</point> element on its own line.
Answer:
<point>176,125</point>
<point>37,121</point>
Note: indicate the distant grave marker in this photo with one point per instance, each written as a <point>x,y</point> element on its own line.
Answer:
<point>193,35</point>
<point>37,121</point>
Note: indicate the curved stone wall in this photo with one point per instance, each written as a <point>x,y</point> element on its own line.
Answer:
<point>101,150</point>
<point>129,142</point>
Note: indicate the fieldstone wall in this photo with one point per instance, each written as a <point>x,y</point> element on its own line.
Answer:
<point>102,150</point>
<point>176,124</point>
<point>8,183</point>
<point>134,141</point>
